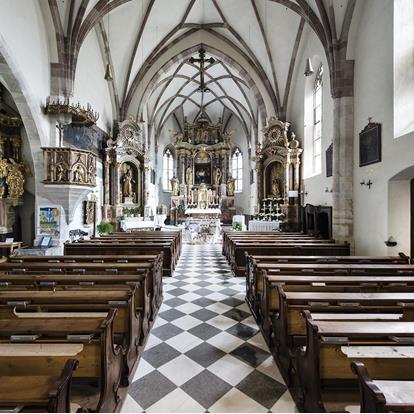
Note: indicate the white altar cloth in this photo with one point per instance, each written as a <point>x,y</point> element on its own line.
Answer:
<point>190,211</point>
<point>136,223</point>
<point>259,225</point>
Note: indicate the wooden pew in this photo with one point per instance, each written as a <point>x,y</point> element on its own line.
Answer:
<point>46,343</point>
<point>23,304</point>
<point>269,304</point>
<point>127,248</point>
<point>256,272</point>
<point>47,393</point>
<point>151,265</point>
<point>379,396</point>
<point>288,326</point>
<point>384,347</point>
<point>238,260</point>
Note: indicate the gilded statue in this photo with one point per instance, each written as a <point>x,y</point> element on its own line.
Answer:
<point>127,182</point>
<point>230,186</point>
<point>174,186</point>
<point>217,176</point>
<point>189,176</point>
<point>15,180</point>
<point>275,183</point>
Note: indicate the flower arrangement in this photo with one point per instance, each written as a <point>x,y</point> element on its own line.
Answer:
<point>104,227</point>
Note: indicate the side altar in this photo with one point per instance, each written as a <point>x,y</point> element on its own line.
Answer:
<point>203,187</point>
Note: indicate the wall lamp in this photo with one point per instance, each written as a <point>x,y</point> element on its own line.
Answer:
<point>327,190</point>
<point>369,183</point>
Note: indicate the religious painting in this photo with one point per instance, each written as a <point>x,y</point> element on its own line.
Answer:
<point>49,221</point>
<point>370,144</point>
<point>202,168</point>
<point>82,137</point>
<point>329,161</point>
<point>89,212</point>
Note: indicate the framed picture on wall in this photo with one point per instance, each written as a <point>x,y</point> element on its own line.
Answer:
<point>370,144</point>
<point>329,160</point>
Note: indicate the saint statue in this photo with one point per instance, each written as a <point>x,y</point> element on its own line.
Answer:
<point>202,196</point>
<point>217,176</point>
<point>127,181</point>
<point>174,186</point>
<point>230,186</point>
<point>275,187</point>
<point>79,174</point>
<point>189,176</point>
<point>275,183</point>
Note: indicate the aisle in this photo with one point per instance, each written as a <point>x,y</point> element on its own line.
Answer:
<point>205,352</point>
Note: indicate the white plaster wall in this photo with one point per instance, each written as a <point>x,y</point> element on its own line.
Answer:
<point>375,220</point>
<point>399,219</point>
<point>300,114</point>
<point>90,85</point>
<point>23,35</point>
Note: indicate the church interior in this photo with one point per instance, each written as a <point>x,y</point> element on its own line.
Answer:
<point>206,206</point>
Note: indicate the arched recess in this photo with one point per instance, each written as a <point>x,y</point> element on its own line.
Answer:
<point>11,78</point>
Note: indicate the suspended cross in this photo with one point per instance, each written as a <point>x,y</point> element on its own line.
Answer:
<point>202,60</point>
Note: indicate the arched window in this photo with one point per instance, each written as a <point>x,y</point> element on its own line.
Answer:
<point>237,170</point>
<point>317,122</point>
<point>167,169</point>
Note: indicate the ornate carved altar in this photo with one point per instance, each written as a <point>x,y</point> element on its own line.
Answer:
<point>203,159</point>
<point>278,169</point>
<point>69,166</point>
<point>12,171</point>
<point>125,169</point>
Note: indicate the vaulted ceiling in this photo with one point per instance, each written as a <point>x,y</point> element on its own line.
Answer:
<point>255,44</point>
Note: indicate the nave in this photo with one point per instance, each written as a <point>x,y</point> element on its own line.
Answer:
<point>205,352</point>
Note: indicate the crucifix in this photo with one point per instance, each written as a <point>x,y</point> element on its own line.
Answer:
<point>202,61</point>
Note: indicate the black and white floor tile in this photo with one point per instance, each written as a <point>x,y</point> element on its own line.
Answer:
<point>205,352</point>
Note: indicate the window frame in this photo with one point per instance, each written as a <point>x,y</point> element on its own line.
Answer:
<point>237,169</point>
<point>167,169</point>
<point>317,122</point>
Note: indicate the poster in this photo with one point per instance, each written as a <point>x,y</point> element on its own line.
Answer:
<point>49,221</point>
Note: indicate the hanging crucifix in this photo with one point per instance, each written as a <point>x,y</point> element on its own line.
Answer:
<point>202,61</point>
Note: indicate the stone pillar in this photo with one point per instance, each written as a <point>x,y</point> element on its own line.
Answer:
<point>343,169</point>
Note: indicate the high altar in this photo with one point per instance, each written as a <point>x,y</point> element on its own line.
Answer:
<point>203,187</point>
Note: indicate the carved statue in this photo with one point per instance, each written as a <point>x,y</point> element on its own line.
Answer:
<point>230,186</point>
<point>60,173</point>
<point>78,174</point>
<point>202,196</point>
<point>127,181</point>
<point>174,186</point>
<point>217,176</point>
<point>189,176</point>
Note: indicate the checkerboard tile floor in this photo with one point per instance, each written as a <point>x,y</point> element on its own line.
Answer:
<point>205,352</point>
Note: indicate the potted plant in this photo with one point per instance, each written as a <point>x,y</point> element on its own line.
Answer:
<point>104,228</point>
